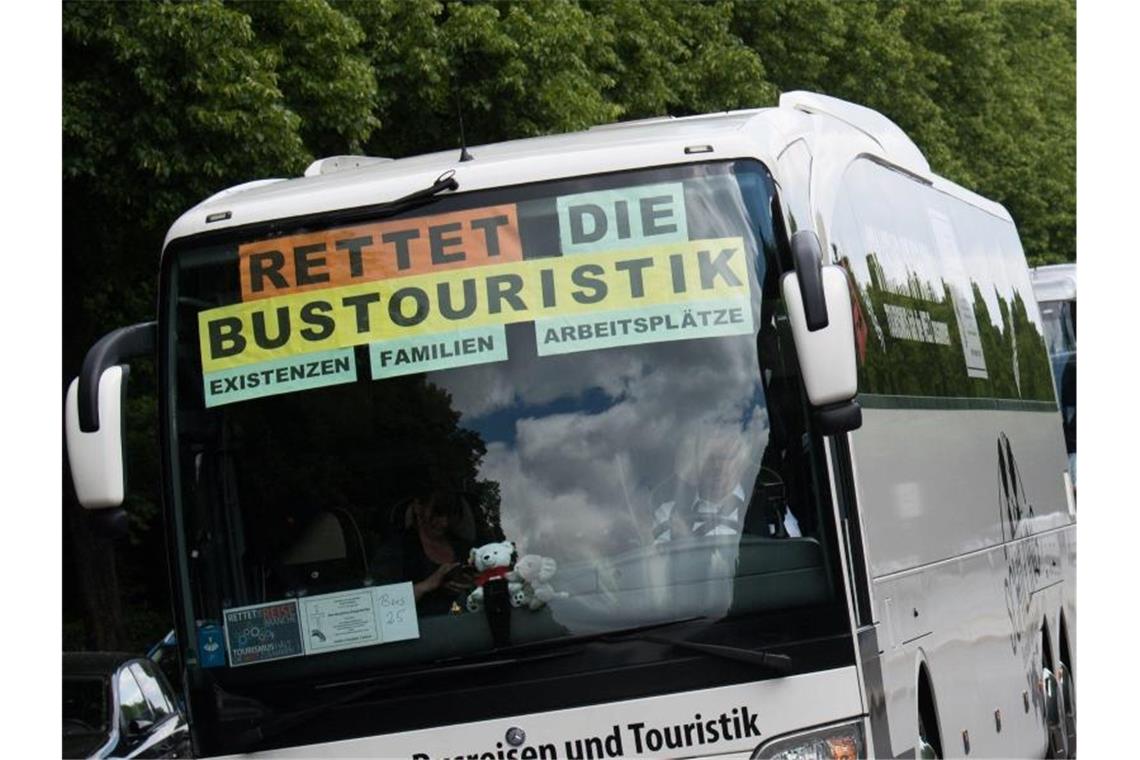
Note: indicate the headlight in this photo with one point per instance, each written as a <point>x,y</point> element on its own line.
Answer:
<point>841,741</point>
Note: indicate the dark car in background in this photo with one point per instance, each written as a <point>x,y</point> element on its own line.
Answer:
<point>119,705</point>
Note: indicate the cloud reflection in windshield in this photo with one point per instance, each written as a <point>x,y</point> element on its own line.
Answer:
<point>582,482</point>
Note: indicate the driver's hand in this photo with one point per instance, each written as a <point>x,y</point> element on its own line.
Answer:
<point>435,580</point>
<point>460,583</point>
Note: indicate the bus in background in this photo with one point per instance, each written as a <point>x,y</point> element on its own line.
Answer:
<point>1055,287</point>
<point>729,435</point>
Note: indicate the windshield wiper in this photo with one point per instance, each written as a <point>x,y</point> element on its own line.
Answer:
<point>535,646</point>
<point>446,181</point>
<point>780,664</point>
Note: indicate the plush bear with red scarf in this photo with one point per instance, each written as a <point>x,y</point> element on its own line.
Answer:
<point>493,563</point>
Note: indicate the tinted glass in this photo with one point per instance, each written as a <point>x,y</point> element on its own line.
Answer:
<point>153,692</point>
<point>945,305</point>
<point>85,705</point>
<point>132,702</point>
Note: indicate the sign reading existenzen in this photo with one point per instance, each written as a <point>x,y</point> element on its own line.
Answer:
<point>292,373</point>
<point>435,292</point>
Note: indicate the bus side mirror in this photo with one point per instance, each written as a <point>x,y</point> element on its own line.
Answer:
<point>96,457</point>
<point>820,311</point>
<point>93,416</point>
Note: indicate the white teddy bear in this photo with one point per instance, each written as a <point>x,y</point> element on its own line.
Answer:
<point>533,573</point>
<point>493,562</point>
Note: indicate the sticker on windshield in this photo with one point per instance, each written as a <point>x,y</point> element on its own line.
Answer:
<point>590,270</point>
<point>339,621</point>
<point>708,319</point>
<point>294,373</point>
<point>263,632</point>
<point>629,217</point>
<point>405,356</point>
<point>261,331</point>
<point>396,603</point>
<point>364,617</point>
<point>211,645</point>
<point>379,251</point>
<point>323,623</point>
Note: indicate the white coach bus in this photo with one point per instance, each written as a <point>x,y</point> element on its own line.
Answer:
<point>731,435</point>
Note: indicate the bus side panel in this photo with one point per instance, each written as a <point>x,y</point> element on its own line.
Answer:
<point>982,675</point>
<point>960,463</point>
<point>968,587</point>
<point>932,485</point>
<point>957,598</point>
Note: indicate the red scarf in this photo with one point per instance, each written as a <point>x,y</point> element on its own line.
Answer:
<point>491,574</point>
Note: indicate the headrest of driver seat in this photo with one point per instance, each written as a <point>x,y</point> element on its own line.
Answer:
<point>322,541</point>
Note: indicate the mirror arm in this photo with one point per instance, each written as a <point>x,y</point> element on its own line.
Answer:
<point>807,259</point>
<point>112,349</point>
<point>838,418</point>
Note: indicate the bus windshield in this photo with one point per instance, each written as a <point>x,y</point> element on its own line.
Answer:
<point>506,418</point>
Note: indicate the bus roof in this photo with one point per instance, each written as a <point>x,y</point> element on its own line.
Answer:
<point>1055,282</point>
<point>761,132</point>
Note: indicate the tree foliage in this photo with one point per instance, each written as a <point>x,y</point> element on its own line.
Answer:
<point>165,103</point>
<point>986,89</point>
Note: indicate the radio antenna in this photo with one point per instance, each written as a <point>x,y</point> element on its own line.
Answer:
<point>463,154</point>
